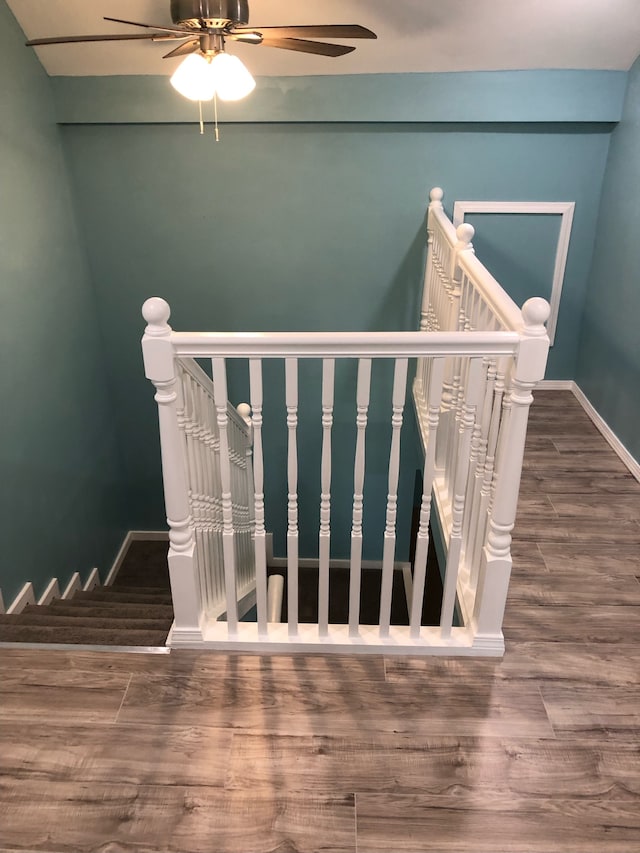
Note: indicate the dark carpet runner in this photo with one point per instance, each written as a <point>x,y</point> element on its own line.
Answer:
<point>135,611</point>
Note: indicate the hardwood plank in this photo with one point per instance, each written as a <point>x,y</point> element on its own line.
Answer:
<point>579,463</point>
<point>322,707</point>
<point>607,558</point>
<point>400,764</point>
<point>136,755</point>
<point>72,696</point>
<point>590,712</point>
<point>77,817</point>
<point>620,624</point>
<point>574,588</point>
<point>562,663</point>
<point>572,482</point>
<point>594,530</point>
<point>454,824</point>
<point>588,444</point>
<point>200,664</point>
<point>615,508</point>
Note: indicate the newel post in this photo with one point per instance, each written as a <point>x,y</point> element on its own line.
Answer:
<point>435,202</point>
<point>159,365</point>
<point>495,567</point>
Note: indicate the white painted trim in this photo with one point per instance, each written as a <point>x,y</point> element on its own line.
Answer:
<point>51,592</point>
<point>609,435</point>
<point>599,422</point>
<point>24,597</point>
<point>92,581</point>
<point>215,636</point>
<point>74,585</point>
<point>555,385</point>
<point>565,209</point>
<point>133,536</point>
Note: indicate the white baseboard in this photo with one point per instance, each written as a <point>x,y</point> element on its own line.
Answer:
<point>92,581</point>
<point>74,585</point>
<point>555,385</point>
<point>133,536</point>
<point>51,592</point>
<point>599,422</point>
<point>24,597</point>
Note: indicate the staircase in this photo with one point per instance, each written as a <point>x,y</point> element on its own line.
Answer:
<point>135,611</point>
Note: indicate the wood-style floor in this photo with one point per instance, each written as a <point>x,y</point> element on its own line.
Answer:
<point>536,753</point>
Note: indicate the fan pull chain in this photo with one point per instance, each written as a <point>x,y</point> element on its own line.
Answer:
<point>215,108</point>
<point>201,119</point>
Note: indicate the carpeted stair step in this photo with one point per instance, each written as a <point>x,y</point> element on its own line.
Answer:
<point>48,620</point>
<point>113,594</point>
<point>85,636</point>
<point>114,610</point>
<point>136,589</point>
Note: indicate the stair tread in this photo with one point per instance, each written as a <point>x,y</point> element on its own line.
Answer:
<point>47,619</point>
<point>111,609</point>
<point>85,636</point>
<point>109,594</point>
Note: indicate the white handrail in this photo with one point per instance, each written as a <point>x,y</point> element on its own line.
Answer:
<point>341,344</point>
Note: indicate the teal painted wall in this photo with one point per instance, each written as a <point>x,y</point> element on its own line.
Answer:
<point>609,355</point>
<point>300,226</point>
<point>61,499</point>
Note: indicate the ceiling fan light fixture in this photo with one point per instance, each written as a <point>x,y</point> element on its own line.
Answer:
<point>195,78</point>
<point>233,80</point>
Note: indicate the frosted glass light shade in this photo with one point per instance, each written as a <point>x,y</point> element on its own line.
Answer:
<point>195,79</point>
<point>233,81</point>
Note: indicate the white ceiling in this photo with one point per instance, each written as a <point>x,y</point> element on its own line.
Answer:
<point>413,35</point>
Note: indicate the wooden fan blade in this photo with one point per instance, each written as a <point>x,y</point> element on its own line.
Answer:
<point>318,47</point>
<point>185,30</point>
<point>184,49</point>
<point>105,37</point>
<point>327,31</point>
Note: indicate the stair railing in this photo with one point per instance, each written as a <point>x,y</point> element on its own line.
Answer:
<point>208,480</point>
<point>475,463</point>
<point>478,357</point>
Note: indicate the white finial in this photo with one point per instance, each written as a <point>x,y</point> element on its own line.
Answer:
<point>435,196</point>
<point>156,312</point>
<point>535,313</point>
<point>465,234</point>
<point>244,410</point>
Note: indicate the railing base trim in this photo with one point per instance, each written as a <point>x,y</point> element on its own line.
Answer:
<point>399,642</point>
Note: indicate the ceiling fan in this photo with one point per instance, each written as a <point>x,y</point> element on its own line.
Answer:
<point>203,26</point>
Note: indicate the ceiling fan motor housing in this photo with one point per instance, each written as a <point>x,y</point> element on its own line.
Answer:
<point>215,14</point>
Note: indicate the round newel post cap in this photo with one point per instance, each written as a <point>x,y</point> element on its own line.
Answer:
<point>465,234</point>
<point>156,312</point>
<point>535,313</point>
<point>436,195</point>
<point>244,410</point>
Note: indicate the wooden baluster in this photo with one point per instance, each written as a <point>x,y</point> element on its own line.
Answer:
<point>244,410</point>
<point>160,368</point>
<point>291,395</point>
<point>362,403</point>
<point>389,549</point>
<point>472,400</point>
<point>228,544</point>
<point>430,282</point>
<point>474,515</point>
<point>324,545</point>
<point>472,490</point>
<point>218,579</point>
<point>486,490</point>
<point>422,544</point>
<point>495,568</point>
